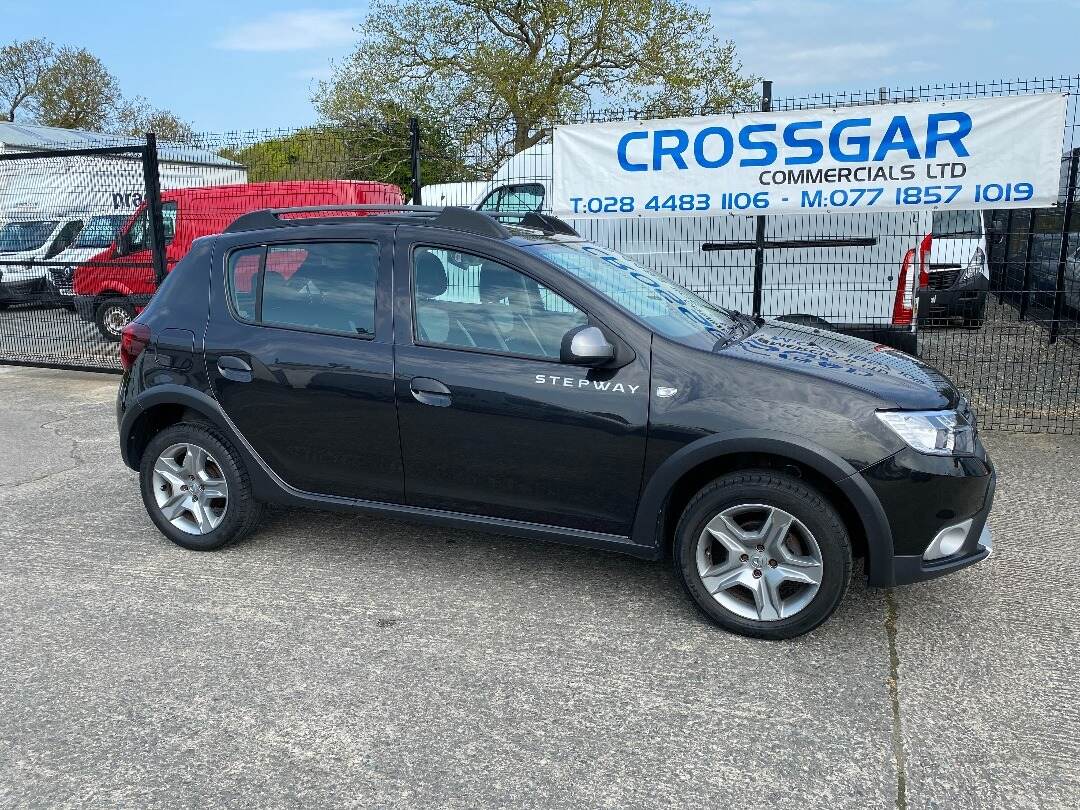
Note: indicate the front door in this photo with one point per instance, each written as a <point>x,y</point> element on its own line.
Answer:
<point>302,362</point>
<point>491,421</point>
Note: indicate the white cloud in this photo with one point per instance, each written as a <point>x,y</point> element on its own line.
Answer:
<point>294,31</point>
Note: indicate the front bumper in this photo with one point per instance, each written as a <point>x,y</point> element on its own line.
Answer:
<point>21,289</point>
<point>966,301</point>
<point>922,496</point>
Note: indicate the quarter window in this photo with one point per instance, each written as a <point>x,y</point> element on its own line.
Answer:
<point>326,286</point>
<point>466,301</point>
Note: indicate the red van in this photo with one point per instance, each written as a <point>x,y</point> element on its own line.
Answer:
<point>117,283</point>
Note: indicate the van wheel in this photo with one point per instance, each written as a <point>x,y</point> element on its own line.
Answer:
<point>196,489</point>
<point>763,554</point>
<point>112,315</point>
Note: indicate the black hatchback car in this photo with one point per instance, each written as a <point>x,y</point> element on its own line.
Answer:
<point>442,366</point>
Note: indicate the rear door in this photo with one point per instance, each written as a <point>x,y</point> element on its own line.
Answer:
<point>492,423</point>
<point>299,352</point>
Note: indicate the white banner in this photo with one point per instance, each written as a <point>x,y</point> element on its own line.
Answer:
<point>1002,152</point>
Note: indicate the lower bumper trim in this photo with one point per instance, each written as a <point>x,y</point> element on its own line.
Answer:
<point>913,568</point>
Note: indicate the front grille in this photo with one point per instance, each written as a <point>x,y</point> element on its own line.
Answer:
<point>942,279</point>
<point>61,276</point>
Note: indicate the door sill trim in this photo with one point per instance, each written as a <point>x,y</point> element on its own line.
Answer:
<point>519,528</point>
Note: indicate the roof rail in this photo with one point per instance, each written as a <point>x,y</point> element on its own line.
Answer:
<point>458,219</point>
<point>547,223</point>
<point>534,220</point>
<point>273,217</point>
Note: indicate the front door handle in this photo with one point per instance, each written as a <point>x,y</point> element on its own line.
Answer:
<point>233,368</point>
<point>430,392</point>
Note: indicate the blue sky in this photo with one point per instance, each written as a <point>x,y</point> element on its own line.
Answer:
<point>250,65</point>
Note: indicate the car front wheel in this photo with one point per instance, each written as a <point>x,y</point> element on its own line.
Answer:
<point>763,554</point>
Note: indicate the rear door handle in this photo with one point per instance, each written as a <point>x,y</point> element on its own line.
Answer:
<point>430,392</point>
<point>233,368</point>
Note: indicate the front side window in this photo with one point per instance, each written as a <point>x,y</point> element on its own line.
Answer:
<point>16,237</point>
<point>520,198</point>
<point>325,286</point>
<point>470,302</point>
<point>139,233</point>
<point>663,305</point>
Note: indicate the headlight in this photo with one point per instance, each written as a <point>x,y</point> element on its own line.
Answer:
<point>939,433</point>
<point>975,266</point>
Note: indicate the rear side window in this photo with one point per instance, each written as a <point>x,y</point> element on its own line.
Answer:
<point>325,286</point>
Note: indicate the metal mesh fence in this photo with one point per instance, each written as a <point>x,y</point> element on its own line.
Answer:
<point>1012,344</point>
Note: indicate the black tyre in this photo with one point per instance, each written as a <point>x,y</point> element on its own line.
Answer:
<point>763,554</point>
<point>196,489</point>
<point>112,315</point>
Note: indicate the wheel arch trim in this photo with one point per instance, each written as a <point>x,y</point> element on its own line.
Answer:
<point>649,522</point>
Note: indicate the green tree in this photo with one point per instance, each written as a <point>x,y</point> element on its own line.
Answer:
<point>76,91</point>
<point>137,116</point>
<point>22,67</point>
<point>499,73</point>
<point>357,152</point>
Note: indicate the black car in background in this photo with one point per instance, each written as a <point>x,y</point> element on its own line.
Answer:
<point>441,366</point>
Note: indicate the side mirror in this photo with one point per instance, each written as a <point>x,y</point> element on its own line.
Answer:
<point>123,244</point>
<point>586,346</point>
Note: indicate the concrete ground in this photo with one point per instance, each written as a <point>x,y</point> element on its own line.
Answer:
<point>341,660</point>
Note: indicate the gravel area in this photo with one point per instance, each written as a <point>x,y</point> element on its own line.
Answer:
<point>351,661</point>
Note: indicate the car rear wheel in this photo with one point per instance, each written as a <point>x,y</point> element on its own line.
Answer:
<point>112,315</point>
<point>195,487</point>
<point>763,554</point>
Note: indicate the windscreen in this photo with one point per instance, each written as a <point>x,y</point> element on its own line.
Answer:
<point>664,306</point>
<point>16,237</point>
<point>957,223</point>
<point>100,231</point>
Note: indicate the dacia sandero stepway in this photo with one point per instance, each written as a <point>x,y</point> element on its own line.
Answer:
<point>445,366</point>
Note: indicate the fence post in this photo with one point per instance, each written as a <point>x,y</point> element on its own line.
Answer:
<point>152,186</point>
<point>1063,253</point>
<point>1025,291</point>
<point>414,155</point>
<point>759,221</point>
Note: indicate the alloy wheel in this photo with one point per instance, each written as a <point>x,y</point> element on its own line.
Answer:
<point>759,562</point>
<point>190,488</point>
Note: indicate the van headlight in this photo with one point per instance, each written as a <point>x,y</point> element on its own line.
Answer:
<point>974,268</point>
<point>938,433</point>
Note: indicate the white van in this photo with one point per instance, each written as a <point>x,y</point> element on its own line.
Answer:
<point>953,271</point>
<point>98,233</point>
<point>26,242</point>
<point>465,195</point>
<point>859,272</point>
